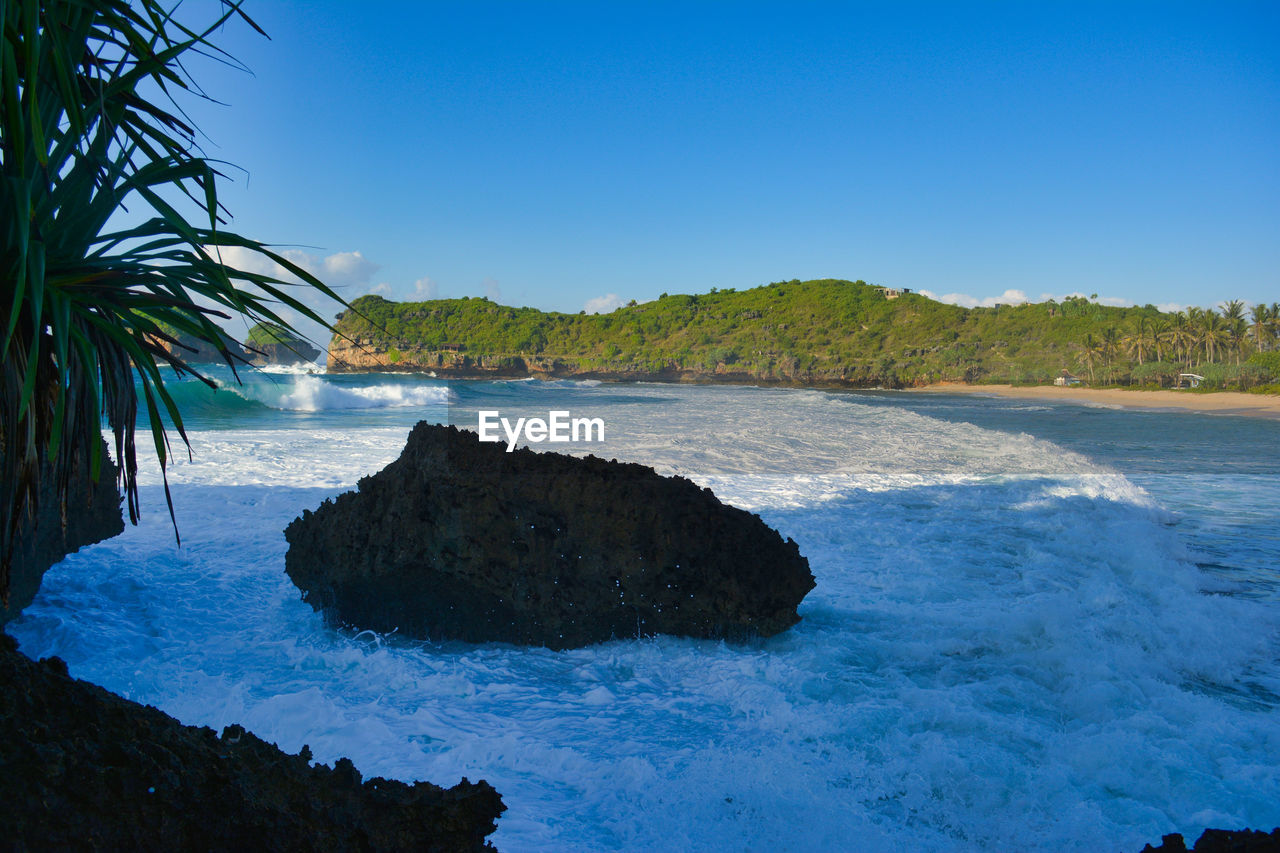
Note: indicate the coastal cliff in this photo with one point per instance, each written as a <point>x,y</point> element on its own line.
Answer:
<point>370,356</point>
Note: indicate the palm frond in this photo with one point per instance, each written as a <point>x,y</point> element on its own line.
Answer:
<point>90,121</point>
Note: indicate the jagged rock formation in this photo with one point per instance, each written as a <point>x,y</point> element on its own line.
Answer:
<point>459,539</point>
<point>92,514</point>
<point>1221,841</point>
<point>84,769</point>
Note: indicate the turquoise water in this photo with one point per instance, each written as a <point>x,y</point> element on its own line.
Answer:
<point>1036,627</point>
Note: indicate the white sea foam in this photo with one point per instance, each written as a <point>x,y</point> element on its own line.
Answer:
<point>308,368</point>
<point>1008,647</point>
<point>315,393</point>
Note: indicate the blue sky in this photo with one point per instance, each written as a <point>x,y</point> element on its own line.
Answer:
<point>551,154</point>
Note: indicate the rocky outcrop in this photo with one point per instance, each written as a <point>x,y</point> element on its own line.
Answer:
<point>92,513</point>
<point>193,350</point>
<point>294,352</point>
<point>366,356</point>
<point>459,539</point>
<point>83,769</point>
<point>1221,841</point>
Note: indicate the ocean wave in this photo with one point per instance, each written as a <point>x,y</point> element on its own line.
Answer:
<point>298,392</point>
<point>1010,645</point>
<point>294,369</point>
<point>313,394</point>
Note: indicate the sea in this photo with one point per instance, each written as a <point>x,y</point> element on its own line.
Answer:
<point>1036,626</point>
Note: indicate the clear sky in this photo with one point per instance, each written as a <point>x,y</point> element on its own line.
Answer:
<point>552,154</point>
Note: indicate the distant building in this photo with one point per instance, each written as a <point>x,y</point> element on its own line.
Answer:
<point>1189,380</point>
<point>894,292</point>
<point>1066,379</point>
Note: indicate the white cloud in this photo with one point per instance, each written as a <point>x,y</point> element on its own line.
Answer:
<point>1009,297</point>
<point>1018,297</point>
<point>344,271</point>
<point>1172,307</point>
<point>425,288</point>
<point>382,288</point>
<point>1117,301</point>
<point>603,304</point>
<point>341,269</point>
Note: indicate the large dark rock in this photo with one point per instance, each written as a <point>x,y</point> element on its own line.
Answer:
<point>92,514</point>
<point>459,539</point>
<point>1221,841</point>
<point>83,769</point>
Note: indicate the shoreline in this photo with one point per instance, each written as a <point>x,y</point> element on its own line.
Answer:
<point>1206,403</point>
<point>1211,403</point>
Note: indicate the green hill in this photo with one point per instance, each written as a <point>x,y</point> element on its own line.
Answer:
<point>820,333</point>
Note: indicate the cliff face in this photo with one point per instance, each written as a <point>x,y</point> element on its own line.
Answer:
<point>92,514</point>
<point>459,539</point>
<point>84,769</point>
<point>367,357</point>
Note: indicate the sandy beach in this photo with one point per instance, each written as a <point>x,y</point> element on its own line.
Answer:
<point>1218,402</point>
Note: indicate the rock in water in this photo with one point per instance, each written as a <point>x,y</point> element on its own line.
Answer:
<point>460,539</point>
<point>87,770</point>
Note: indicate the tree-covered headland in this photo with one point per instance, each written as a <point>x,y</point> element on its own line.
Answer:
<point>826,332</point>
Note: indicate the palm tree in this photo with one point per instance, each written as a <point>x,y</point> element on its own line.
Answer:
<point>1182,336</point>
<point>1092,351</point>
<point>88,123</point>
<point>1263,326</point>
<point>1211,333</point>
<point>1236,334</point>
<point>1159,336</point>
<point>1110,347</point>
<point>1233,309</point>
<point>1140,340</point>
<point>1234,327</point>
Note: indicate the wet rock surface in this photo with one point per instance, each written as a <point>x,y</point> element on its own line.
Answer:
<point>83,769</point>
<point>92,514</point>
<point>460,539</point>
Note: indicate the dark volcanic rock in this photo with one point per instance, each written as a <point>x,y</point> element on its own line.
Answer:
<point>92,514</point>
<point>1221,841</point>
<point>83,769</point>
<point>459,539</point>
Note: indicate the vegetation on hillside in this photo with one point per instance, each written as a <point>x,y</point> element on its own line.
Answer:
<point>1233,348</point>
<point>814,331</point>
<point>263,334</point>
